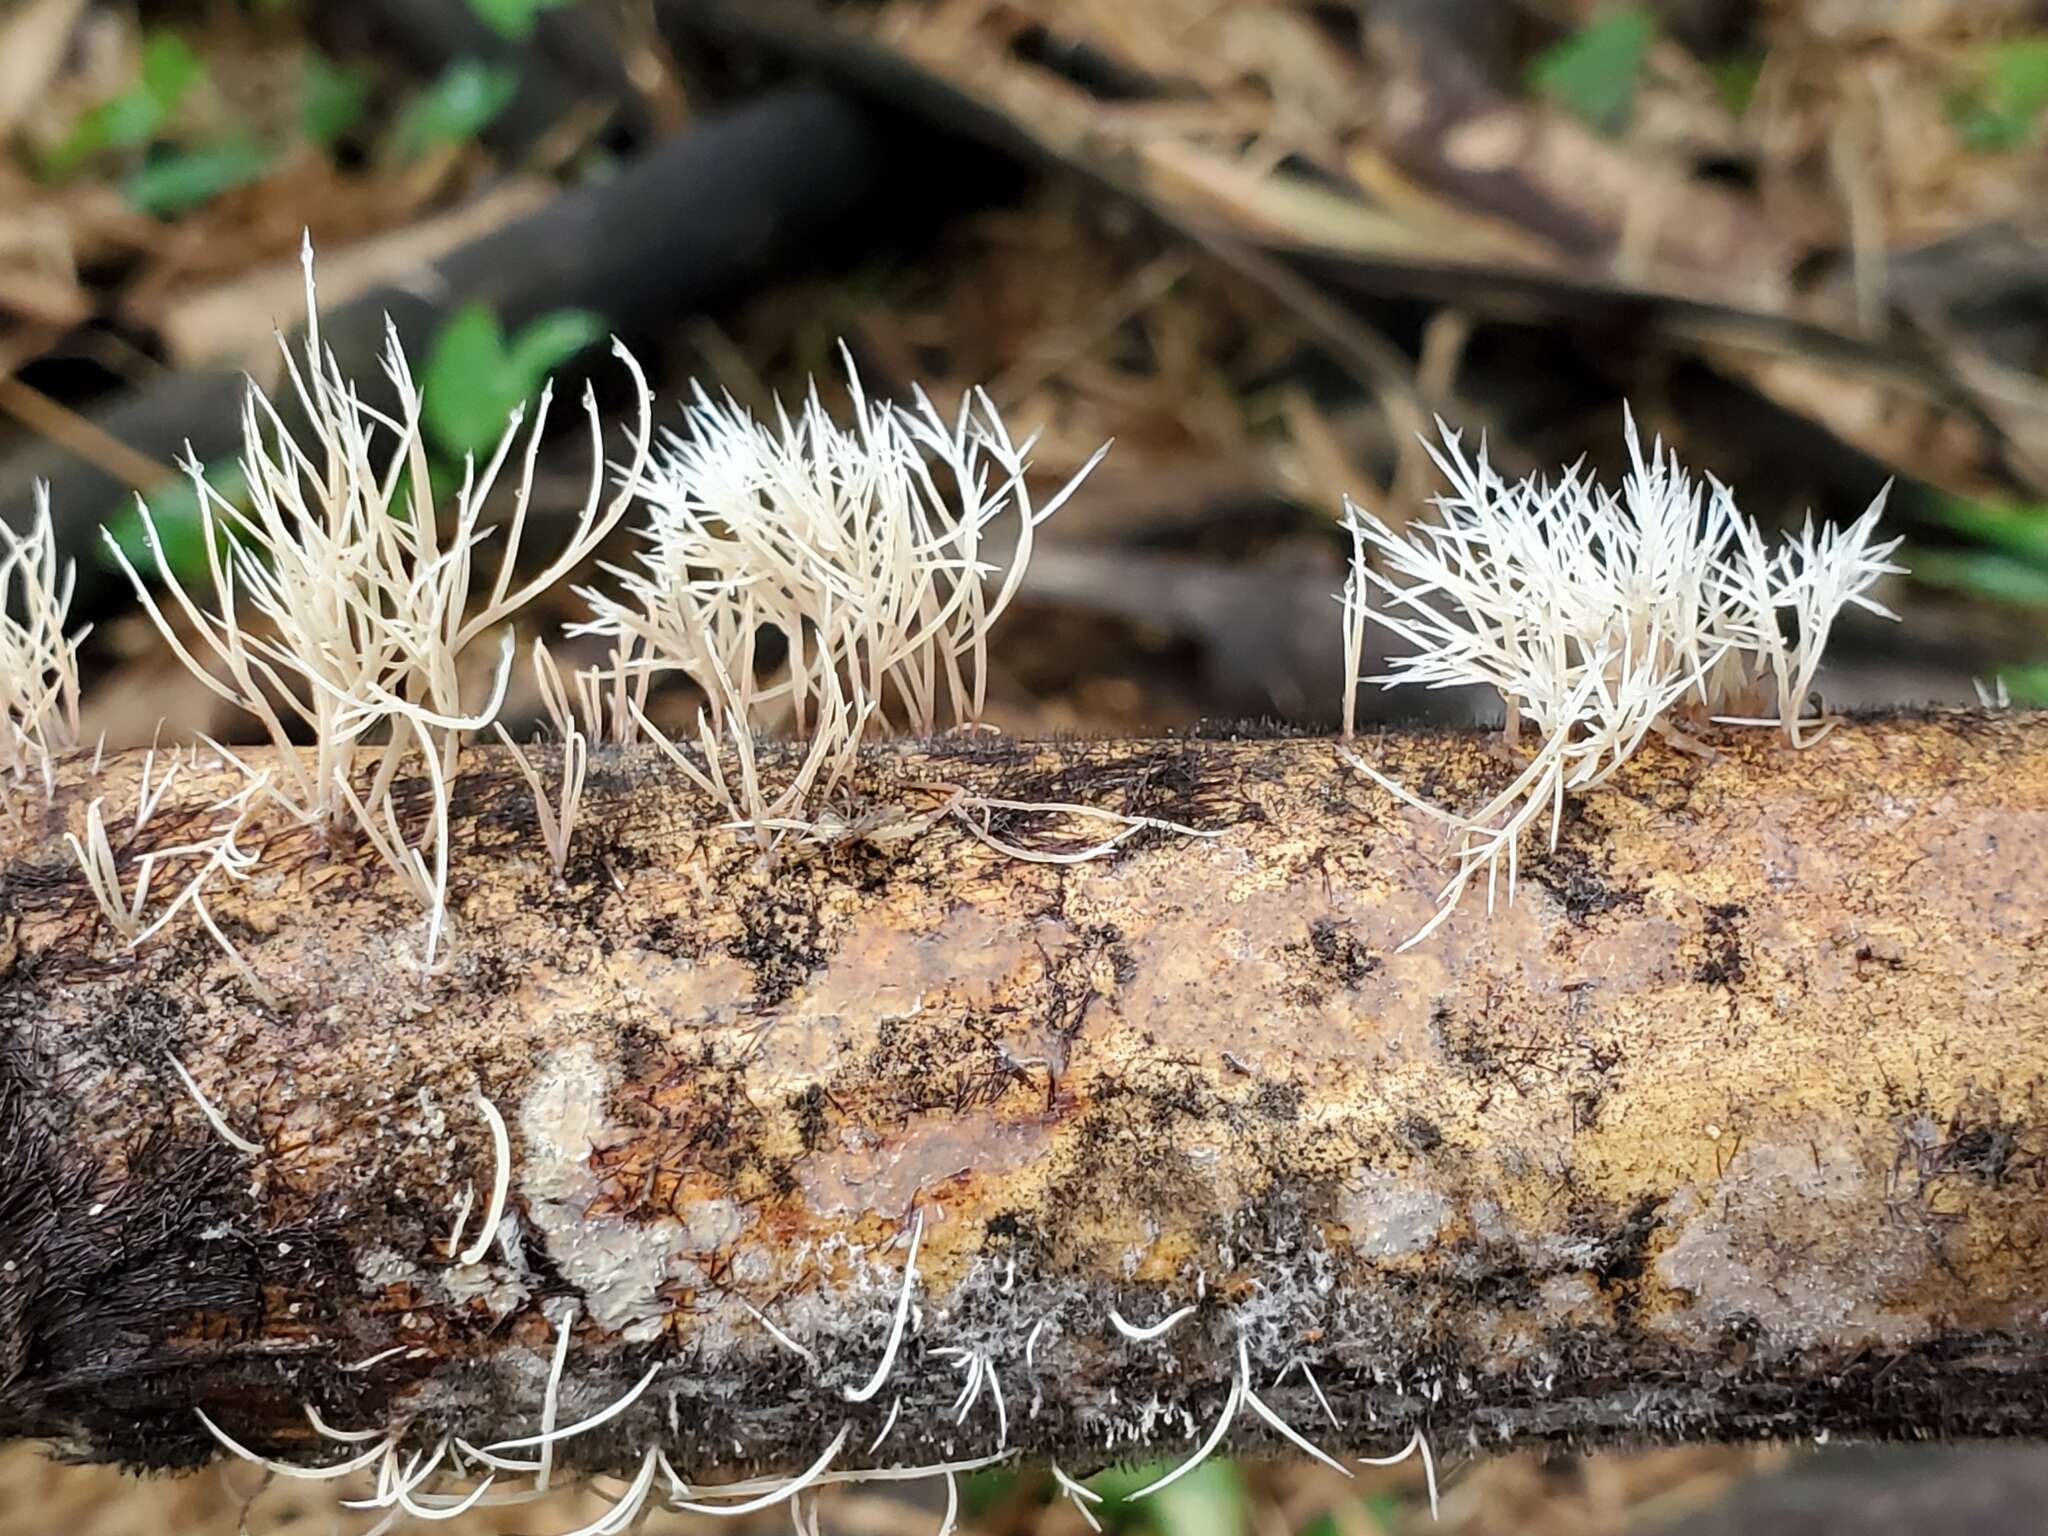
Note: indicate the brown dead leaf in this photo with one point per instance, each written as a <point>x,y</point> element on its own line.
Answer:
<point>32,45</point>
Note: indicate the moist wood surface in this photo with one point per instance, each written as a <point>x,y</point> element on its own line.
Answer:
<point>1730,1125</point>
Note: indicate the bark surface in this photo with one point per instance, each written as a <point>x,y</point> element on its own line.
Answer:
<point>1731,1125</point>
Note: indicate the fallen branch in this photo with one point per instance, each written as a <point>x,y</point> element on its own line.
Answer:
<point>1731,1126</point>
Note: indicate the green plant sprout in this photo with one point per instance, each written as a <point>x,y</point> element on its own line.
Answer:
<point>463,101</point>
<point>2001,110</point>
<point>476,375</point>
<point>1594,73</point>
<point>512,19</point>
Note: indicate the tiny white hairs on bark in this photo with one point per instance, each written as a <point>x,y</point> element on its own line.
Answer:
<point>1597,618</point>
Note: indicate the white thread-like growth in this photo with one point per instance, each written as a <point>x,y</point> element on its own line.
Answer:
<point>1416,1444</point>
<point>557,821</point>
<point>1208,1446</point>
<point>1158,1330</point>
<point>779,1336</point>
<point>895,1412</point>
<point>550,1437</point>
<point>38,660</point>
<point>148,795</point>
<point>102,871</point>
<point>787,1489</point>
<point>286,1469</point>
<point>888,1361</point>
<point>1300,1362</point>
<point>501,1182</point>
<point>341,604</point>
<point>1596,617</point>
<point>865,550</point>
<point>214,1117</point>
<point>1079,1494</point>
<point>1273,1420</point>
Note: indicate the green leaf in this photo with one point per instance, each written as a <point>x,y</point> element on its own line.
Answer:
<point>512,18</point>
<point>1735,78</point>
<point>1209,1501</point>
<point>464,101</point>
<point>2002,110</point>
<point>2017,528</point>
<point>1594,72</point>
<point>2028,685</point>
<point>176,181</point>
<point>169,69</point>
<point>459,388</point>
<point>174,507</point>
<point>550,341</point>
<point>1983,572</point>
<point>331,98</point>
<point>983,1490</point>
<point>475,378</point>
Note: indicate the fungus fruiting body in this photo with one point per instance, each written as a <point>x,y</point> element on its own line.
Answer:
<point>1598,618</point>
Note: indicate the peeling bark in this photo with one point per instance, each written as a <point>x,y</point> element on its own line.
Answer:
<point>1731,1125</point>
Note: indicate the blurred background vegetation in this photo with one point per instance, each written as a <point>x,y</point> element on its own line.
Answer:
<point>1260,243</point>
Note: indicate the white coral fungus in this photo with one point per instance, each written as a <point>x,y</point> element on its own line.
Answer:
<point>344,605</point>
<point>873,556</point>
<point>38,660</point>
<point>1597,617</point>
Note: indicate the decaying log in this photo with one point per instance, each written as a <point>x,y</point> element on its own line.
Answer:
<point>1734,1124</point>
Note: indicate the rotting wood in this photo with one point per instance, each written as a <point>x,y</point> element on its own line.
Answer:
<point>1732,1125</point>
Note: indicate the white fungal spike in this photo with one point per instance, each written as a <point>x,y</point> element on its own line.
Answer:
<point>1157,1330</point>
<point>286,1469</point>
<point>38,660</point>
<point>1417,1444</point>
<point>1208,1446</point>
<point>501,1184</point>
<point>1081,1495</point>
<point>866,549</point>
<point>775,1495</point>
<point>1273,1420</point>
<point>1595,617</point>
<point>888,1360</point>
<point>338,607</point>
<point>214,1117</point>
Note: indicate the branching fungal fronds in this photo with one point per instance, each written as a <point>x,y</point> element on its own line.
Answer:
<point>557,819</point>
<point>866,552</point>
<point>102,871</point>
<point>343,604</point>
<point>1597,618</point>
<point>38,660</point>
